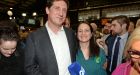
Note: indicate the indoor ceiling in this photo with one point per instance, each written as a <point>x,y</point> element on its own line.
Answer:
<point>22,6</point>
<point>30,6</point>
<point>17,4</point>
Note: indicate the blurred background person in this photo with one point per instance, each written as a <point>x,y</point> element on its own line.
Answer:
<point>132,53</point>
<point>106,30</point>
<point>96,33</point>
<point>138,23</point>
<point>89,55</point>
<point>11,61</point>
<point>131,27</point>
<point>94,26</point>
<point>107,33</point>
<point>107,27</point>
<point>67,22</point>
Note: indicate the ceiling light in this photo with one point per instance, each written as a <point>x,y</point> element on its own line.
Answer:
<point>10,18</point>
<point>11,8</point>
<point>9,12</point>
<point>24,14</point>
<point>34,14</point>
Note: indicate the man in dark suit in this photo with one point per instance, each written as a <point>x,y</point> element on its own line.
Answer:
<point>51,49</point>
<point>119,27</point>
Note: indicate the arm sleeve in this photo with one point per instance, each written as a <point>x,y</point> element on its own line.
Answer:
<point>30,65</point>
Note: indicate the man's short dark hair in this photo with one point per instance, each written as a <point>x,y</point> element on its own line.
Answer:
<point>121,19</point>
<point>50,2</point>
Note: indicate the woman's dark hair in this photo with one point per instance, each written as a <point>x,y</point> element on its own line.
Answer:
<point>8,31</point>
<point>94,48</point>
<point>50,2</point>
<point>8,24</point>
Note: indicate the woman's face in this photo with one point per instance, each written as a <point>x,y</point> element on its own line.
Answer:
<point>7,48</point>
<point>84,33</point>
<point>135,54</point>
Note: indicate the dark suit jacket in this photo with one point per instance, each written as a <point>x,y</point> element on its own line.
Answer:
<point>39,54</point>
<point>109,42</point>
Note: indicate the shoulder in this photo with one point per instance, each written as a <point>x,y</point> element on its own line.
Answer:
<point>121,69</point>
<point>40,30</point>
<point>102,52</point>
<point>69,30</point>
<point>70,33</point>
<point>122,66</point>
<point>110,37</point>
<point>102,55</point>
<point>38,33</point>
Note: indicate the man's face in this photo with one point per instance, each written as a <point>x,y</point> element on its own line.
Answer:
<point>7,48</point>
<point>116,27</point>
<point>131,27</point>
<point>57,12</point>
<point>108,25</point>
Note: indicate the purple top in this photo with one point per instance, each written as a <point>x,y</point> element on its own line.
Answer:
<point>122,69</point>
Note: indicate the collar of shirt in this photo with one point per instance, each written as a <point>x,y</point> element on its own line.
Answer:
<point>124,36</point>
<point>49,29</point>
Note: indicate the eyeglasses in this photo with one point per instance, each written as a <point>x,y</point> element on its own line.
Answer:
<point>134,53</point>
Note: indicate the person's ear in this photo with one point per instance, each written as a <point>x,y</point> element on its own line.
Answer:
<point>47,10</point>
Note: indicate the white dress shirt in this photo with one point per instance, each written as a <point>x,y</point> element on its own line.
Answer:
<point>61,49</point>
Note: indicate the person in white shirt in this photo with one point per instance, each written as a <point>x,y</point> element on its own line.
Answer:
<point>51,49</point>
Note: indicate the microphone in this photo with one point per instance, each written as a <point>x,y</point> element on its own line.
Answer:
<point>76,69</point>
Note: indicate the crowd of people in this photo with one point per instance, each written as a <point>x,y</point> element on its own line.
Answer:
<point>51,49</point>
